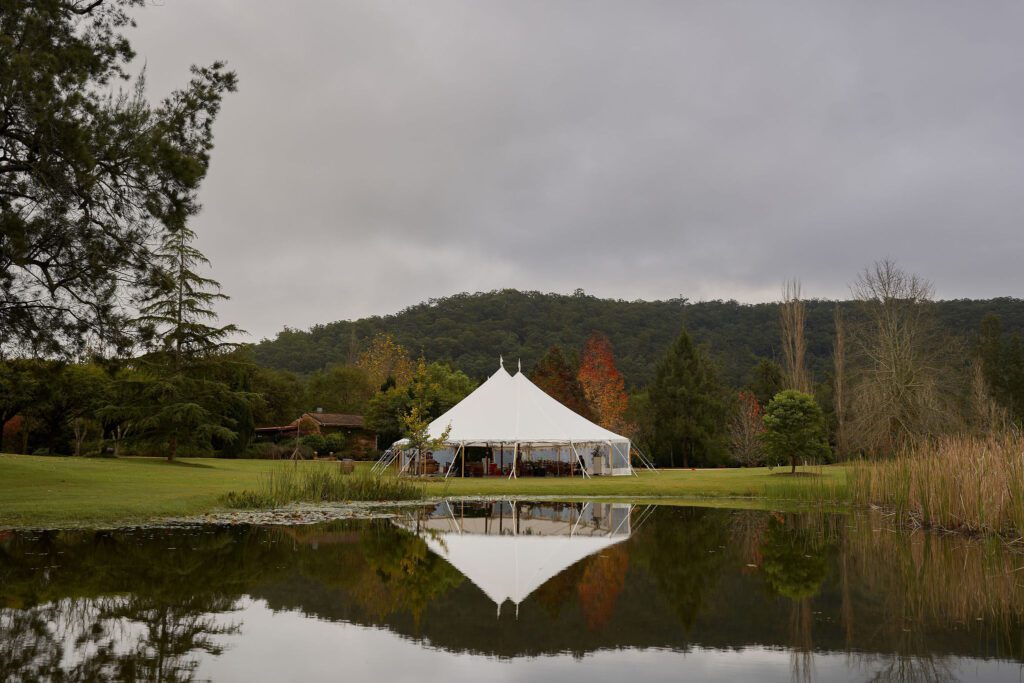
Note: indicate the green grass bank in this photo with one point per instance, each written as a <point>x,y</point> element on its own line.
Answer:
<point>40,491</point>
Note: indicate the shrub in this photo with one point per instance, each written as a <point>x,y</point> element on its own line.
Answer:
<point>334,442</point>
<point>268,451</point>
<point>315,442</point>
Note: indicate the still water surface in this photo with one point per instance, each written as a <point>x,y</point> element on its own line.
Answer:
<point>513,591</point>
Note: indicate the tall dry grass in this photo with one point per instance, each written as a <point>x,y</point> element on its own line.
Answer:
<point>957,483</point>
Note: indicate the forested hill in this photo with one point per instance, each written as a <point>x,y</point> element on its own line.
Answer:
<point>470,330</point>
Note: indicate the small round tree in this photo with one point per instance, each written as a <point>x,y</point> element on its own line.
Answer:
<point>794,428</point>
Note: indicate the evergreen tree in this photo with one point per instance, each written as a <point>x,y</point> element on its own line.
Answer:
<point>794,428</point>
<point>188,402</point>
<point>1002,365</point>
<point>179,304</point>
<point>283,394</point>
<point>556,376</point>
<point>339,389</point>
<point>89,172</point>
<point>766,380</point>
<point>689,407</point>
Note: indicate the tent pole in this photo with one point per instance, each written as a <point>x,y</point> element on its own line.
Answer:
<point>451,515</point>
<point>579,517</point>
<point>515,454</point>
<point>629,461</point>
<point>454,458</point>
<point>583,466</point>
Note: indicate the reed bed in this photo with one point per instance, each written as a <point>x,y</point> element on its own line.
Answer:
<point>812,485</point>
<point>958,483</point>
<point>322,483</point>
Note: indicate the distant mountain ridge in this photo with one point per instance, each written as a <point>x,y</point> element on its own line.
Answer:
<point>471,330</point>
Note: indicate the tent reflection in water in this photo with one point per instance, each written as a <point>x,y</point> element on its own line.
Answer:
<point>509,427</point>
<point>509,549</point>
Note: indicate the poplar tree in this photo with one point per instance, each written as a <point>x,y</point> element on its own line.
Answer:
<point>689,406</point>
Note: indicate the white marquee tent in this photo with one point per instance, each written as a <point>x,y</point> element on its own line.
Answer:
<point>512,564</point>
<point>513,414</point>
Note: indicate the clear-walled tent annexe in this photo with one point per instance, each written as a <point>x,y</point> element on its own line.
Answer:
<point>509,427</point>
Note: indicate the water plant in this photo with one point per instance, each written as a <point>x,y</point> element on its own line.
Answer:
<point>321,483</point>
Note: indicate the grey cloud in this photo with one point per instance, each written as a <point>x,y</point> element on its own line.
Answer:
<point>381,152</point>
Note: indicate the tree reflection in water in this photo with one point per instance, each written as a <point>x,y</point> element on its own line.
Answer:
<point>150,605</point>
<point>112,638</point>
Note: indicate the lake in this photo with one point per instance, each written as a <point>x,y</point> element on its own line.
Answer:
<point>514,591</point>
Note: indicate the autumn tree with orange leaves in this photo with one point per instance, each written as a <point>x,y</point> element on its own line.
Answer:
<point>603,384</point>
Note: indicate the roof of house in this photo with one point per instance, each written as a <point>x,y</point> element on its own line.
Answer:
<point>337,419</point>
<point>323,419</point>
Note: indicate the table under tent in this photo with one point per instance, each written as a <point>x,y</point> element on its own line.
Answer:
<point>509,427</point>
<point>509,549</point>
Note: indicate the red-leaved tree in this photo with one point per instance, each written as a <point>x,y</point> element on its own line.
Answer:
<point>603,384</point>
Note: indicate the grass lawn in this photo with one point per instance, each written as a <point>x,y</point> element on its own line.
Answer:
<point>756,482</point>
<point>40,491</point>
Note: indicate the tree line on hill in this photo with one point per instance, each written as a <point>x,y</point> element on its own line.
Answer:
<point>470,330</point>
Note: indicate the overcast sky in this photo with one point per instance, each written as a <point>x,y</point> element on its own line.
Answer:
<point>382,152</point>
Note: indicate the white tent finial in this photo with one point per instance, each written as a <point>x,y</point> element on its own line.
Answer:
<point>520,365</point>
<point>501,361</point>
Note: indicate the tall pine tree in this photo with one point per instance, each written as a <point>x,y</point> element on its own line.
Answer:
<point>689,407</point>
<point>187,404</point>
